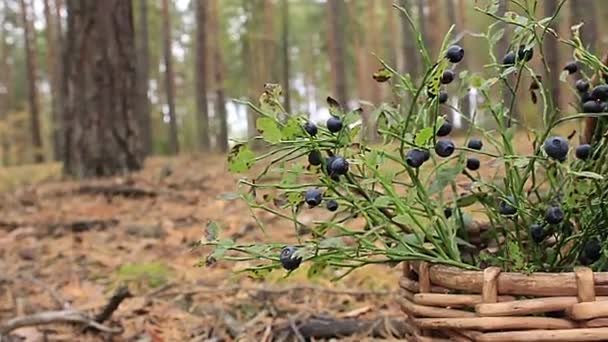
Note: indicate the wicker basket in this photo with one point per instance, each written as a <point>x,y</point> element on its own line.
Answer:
<point>449,304</point>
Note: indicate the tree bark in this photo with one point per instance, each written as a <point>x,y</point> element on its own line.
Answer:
<point>4,91</point>
<point>201,75</point>
<point>436,28</point>
<point>552,55</point>
<point>102,135</point>
<point>143,77</point>
<point>410,55</point>
<point>337,50</point>
<point>422,23</point>
<point>585,11</point>
<point>32,70</point>
<point>286,62</point>
<point>52,43</point>
<point>218,75</point>
<point>169,79</point>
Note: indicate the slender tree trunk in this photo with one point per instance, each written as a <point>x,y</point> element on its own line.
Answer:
<point>337,49</point>
<point>51,61</point>
<point>102,135</point>
<point>391,40</point>
<point>585,11</point>
<point>410,55</point>
<point>5,88</point>
<point>285,46</point>
<point>361,63</point>
<point>218,75</point>
<point>434,34</point>
<point>169,80</point>
<point>143,77</point>
<point>32,70</point>
<point>552,54</point>
<point>201,75</point>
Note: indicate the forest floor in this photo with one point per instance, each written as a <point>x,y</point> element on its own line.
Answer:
<point>70,245</point>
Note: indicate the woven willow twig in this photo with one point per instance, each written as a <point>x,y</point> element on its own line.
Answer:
<point>448,304</point>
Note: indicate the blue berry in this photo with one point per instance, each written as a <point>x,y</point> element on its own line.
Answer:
<point>310,128</point>
<point>475,144</point>
<point>473,163</point>
<point>537,233</point>
<point>554,215</point>
<point>338,166</point>
<point>444,148</point>
<point>315,158</point>
<point>582,86</point>
<point>334,124</point>
<point>592,106</point>
<point>331,205</point>
<point>448,76</point>
<point>524,54</point>
<point>443,97</point>
<point>444,129</point>
<point>583,151</point>
<point>313,197</point>
<point>506,208</point>
<point>509,59</point>
<point>416,157</point>
<point>571,67</point>
<point>455,53</point>
<point>289,258</point>
<point>556,148</point>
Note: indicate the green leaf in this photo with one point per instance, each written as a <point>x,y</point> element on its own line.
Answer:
<point>213,230</point>
<point>335,108</point>
<point>402,219</point>
<point>445,175</point>
<point>383,201</point>
<point>424,135</point>
<point>382,75</point>
<point>586,174</point>
<point>240,159</point>
<point>292,129</point>
<point>269,129</point>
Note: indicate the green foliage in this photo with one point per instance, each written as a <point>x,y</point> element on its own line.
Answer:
<point>404,205</point>
<point>154,274</point>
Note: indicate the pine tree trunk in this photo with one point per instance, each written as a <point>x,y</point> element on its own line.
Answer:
<point>435,25</point>
<point>337,49</point>
<point>410,55</point>
<point>201,75</point>
<point>585,11</point>
<point>552,54</point>
<point>422,23</point>
<point>5,89</point>
<point>285,48</point>
<point>102,135</point>
<point>143,77</point>
<point>218,75</point>
<point>169,80</point>
<point>32,70</point>
<point>52,43</point>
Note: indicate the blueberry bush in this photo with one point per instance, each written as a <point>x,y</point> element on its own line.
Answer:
<point>544,211</point>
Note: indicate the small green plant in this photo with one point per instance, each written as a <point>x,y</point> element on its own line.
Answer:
<point>546,210</point>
